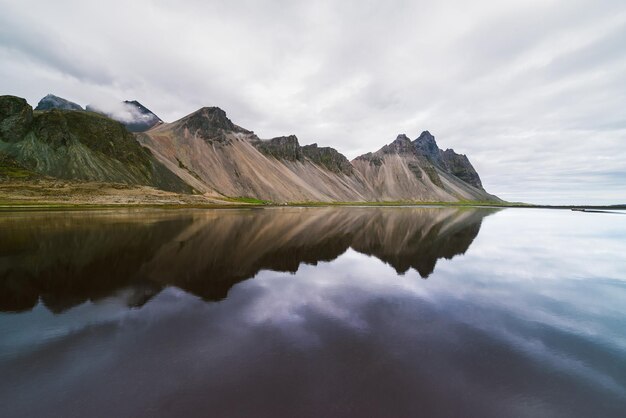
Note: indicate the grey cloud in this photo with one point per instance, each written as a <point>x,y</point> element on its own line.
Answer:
<point>39,42</point>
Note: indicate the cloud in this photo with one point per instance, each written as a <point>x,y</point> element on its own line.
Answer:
<point>531,91</point>
<point>120,111</point>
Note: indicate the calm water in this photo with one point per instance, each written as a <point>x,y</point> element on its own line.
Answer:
<point>313,313</point>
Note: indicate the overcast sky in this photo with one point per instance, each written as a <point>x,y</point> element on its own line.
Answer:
<point>534,92</point>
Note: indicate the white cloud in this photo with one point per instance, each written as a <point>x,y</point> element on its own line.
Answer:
<point>120,111</point>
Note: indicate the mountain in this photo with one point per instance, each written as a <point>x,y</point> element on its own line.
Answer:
<point>54,102</point>
<point>214,155</point>
<point>418,169</point>
<point>217,157</point>
<point>77,146</point>
<point>132,114</point>
<point>206,152</point>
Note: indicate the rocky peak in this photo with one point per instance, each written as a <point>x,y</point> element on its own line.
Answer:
<point>210,124</point>
<point>402,138</point>
<point>213,117</point>
<point>401,145</point>
<point>16,116</point>
<point>430,159</point>
<point>426,136</point>
<point>448,160</point>
<point>281,147</point>
<point>425,145</point>
<point>55,102</point>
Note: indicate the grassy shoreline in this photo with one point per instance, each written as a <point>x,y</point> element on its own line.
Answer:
<point>233,204</point>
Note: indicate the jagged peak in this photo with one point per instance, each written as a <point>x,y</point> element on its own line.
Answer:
<point>211,109</point>
<point>426,146</point>
<point>214,114</point>
<point>400,145</point>
<point>210,121</point>
<point>425,136</point>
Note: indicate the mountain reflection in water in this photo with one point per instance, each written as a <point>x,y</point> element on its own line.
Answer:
<point>65,259</point>
<point>319,312</point>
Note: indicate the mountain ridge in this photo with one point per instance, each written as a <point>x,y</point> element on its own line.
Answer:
<point>211,155</point>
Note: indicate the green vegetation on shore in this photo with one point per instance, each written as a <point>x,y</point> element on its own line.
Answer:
<point>461,203</point>
<point>246,202</point>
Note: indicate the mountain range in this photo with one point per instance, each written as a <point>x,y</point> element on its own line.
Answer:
<point>205,154</point>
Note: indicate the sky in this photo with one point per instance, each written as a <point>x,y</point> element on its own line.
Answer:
<point>533,91</point>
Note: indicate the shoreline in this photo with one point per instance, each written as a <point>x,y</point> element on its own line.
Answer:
<point>36,206</point>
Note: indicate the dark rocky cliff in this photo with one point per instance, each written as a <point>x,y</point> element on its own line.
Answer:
<point>281,147</point>
<point>329,158</point>
<point>456,164</point>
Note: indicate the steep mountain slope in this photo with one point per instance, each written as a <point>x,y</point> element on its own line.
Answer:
<point>55,102</point>
<point>77,146</point>
<point>220,158</point>
<point>419,170</point>
<point>214,155</point>
<point>132,114</point>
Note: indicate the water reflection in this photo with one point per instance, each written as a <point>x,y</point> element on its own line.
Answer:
<point>64,259</point>
<point>529,322</point>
